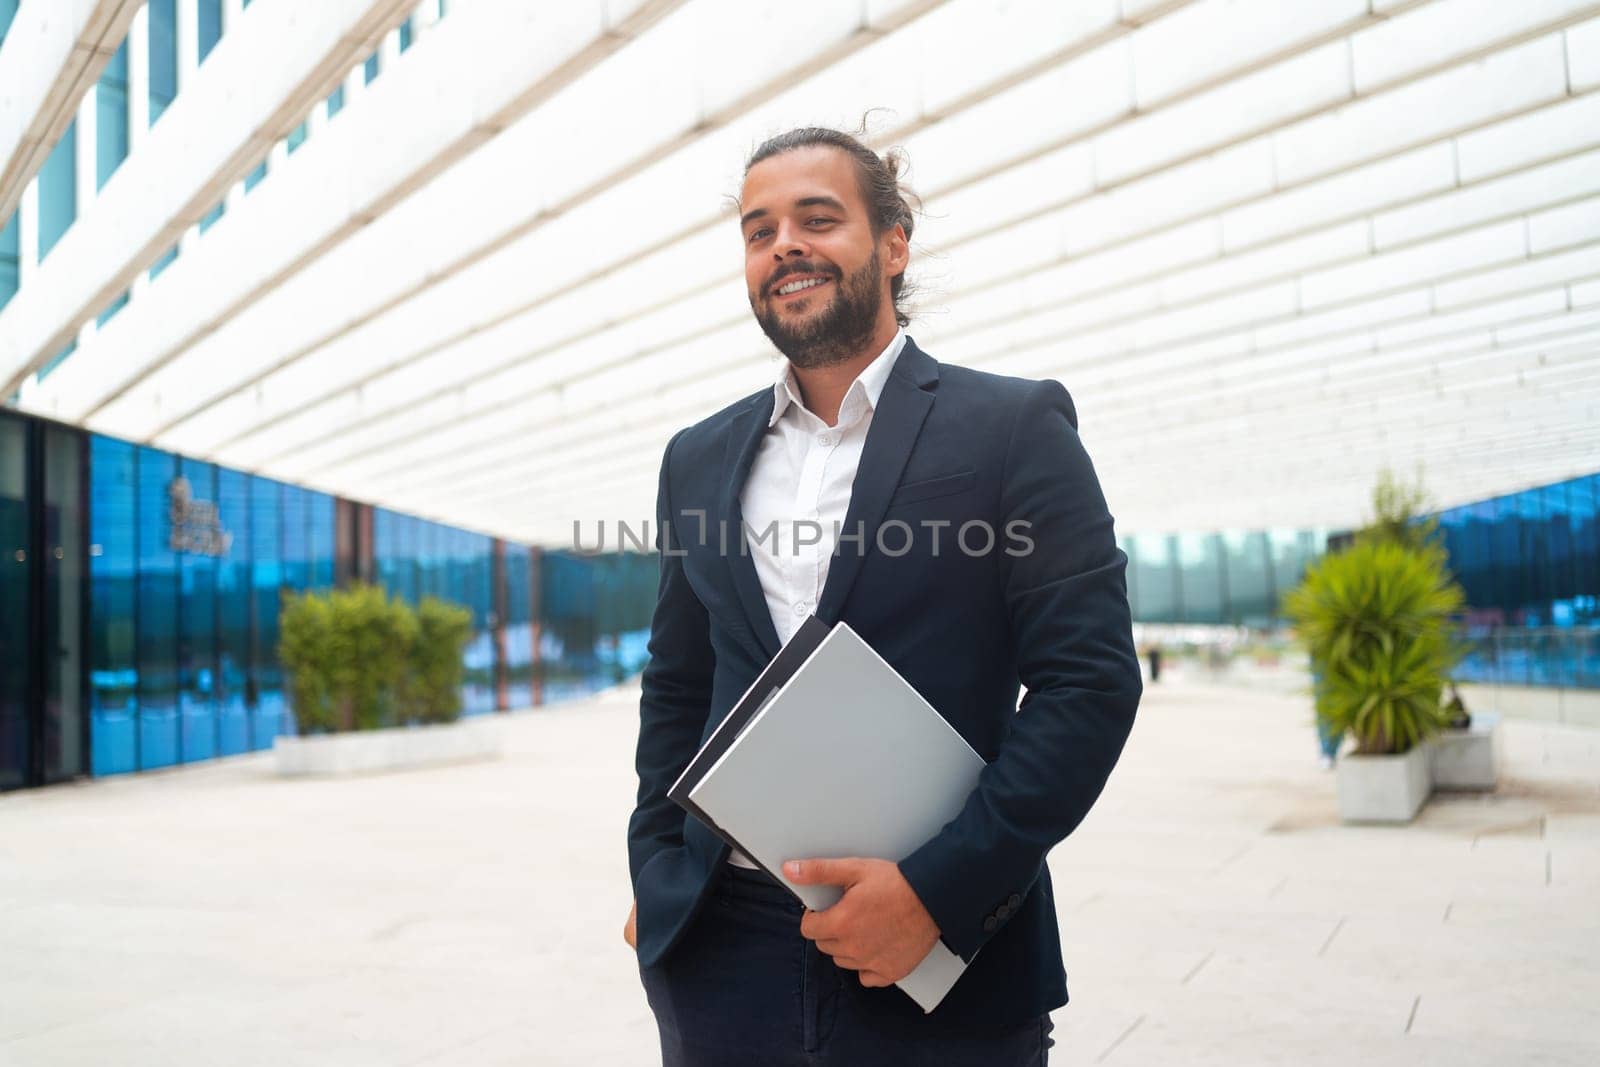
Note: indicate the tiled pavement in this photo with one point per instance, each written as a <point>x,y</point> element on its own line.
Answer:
<point>1213,909</point>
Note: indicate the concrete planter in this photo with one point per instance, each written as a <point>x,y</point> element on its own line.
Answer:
<point>1467,759</point>
<point>1384,789</point>
<point>400,748</point>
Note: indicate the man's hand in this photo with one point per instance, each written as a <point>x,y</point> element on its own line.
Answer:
<point>630,929</point>
<point>879,927</point>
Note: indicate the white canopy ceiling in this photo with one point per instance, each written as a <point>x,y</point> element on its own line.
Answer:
<point>1269,248</point>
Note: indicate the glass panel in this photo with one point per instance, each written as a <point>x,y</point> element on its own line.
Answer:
<point>10,253</point>
<point>1200,562</point>
<point>61,641</point>
<point>518,627</point>
<point>1505,539</point>
<point>162,15</point>
<point>111,117</point>
<point>335,101</point>
<point>370,68</point>
<point>253,179</point>
<point>116,305</point>
<point>210,25</point>
<point>209,219</point>
<point>406,35</point>
<point>194,499</point>
<point>157,629</point>
<point>1250,592</point>
<point>58,191</point>
<point>163,262</point>
<point>1583,497</point>
<point>56,360</point>
<point>113,608</point>
<point>1533,594</point>
<point>268,709</point>
<point>296,546</point>
<point>1561,570</point>
<point>8,11</point>
<point>480,652</point>
<point>297,137</point>
<point>16,652</point>
<point>320,520</point>
<point>233,612</point>
<point>568,664</point>
<point>1157,578</point>
<point>1288,559</point>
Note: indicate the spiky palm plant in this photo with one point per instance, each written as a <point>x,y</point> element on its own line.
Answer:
<point>1376,618</point>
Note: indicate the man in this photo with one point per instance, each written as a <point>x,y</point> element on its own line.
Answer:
<point>953,520</point>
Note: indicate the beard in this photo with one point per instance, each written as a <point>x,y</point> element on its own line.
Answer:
<point>838,332</point>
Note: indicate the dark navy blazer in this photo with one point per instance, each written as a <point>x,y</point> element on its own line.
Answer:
<point>947,446</point>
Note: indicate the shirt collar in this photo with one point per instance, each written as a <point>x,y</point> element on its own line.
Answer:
<point>868,384</point>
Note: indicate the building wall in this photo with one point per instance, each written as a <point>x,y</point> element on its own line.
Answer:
<point>1529,563</point>
<point>1231,577</point>
<point>158,580</point>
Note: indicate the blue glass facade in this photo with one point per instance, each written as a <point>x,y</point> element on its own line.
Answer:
<point>1529,563</point>
<point>181,565</point>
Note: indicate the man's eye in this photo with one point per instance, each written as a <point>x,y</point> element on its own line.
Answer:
<point>821,218</point>
<point>756,234</point>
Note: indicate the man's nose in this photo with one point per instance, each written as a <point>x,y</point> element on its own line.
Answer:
<point>790,242</point>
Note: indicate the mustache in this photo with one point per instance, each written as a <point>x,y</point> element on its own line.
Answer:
<point>790,270</point>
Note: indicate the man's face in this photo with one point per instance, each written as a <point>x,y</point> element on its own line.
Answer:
<point>812,266</point>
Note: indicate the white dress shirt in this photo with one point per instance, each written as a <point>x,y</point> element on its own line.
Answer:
<point>799,488</point>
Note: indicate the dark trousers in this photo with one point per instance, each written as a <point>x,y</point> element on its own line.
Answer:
<point>744,988</point>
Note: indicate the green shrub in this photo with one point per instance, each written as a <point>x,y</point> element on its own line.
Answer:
<point>359,659</point>
<point>1376,619</point>
<point>444,630</point>
<point>304,647</point>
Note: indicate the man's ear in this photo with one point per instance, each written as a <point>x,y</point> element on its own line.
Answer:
<point>897,256</point>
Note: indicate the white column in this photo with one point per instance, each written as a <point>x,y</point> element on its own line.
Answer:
<point>316,118</point>
<point>138,79</point>
<point>423,19</point>
<point>138,106</point>
<point>86,185</point>
<point>389,52</point>
<point>354,82</point>
<point>277,155</point>
<point>187,15</point>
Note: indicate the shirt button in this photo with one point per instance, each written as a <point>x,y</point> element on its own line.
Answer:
<point>824,438</point>
<point>801,609</point>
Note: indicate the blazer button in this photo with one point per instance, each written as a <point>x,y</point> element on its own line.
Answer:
<point>1003,913</point>
<point>990,924</point>
<point>1015,902</point>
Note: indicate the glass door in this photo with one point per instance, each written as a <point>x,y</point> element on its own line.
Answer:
<point>64,562</point>
<point>43,602</point>
<point>16,651</point>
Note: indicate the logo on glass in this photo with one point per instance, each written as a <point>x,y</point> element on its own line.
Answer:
<point>196,527</point>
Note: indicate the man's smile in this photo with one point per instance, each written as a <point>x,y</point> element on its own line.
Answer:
<point>796,286</point>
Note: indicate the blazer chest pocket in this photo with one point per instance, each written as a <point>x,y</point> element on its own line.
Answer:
<point>928,488</point>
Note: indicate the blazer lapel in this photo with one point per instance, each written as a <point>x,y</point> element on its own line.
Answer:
<point>744,440</point>
<point>905,402</point>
